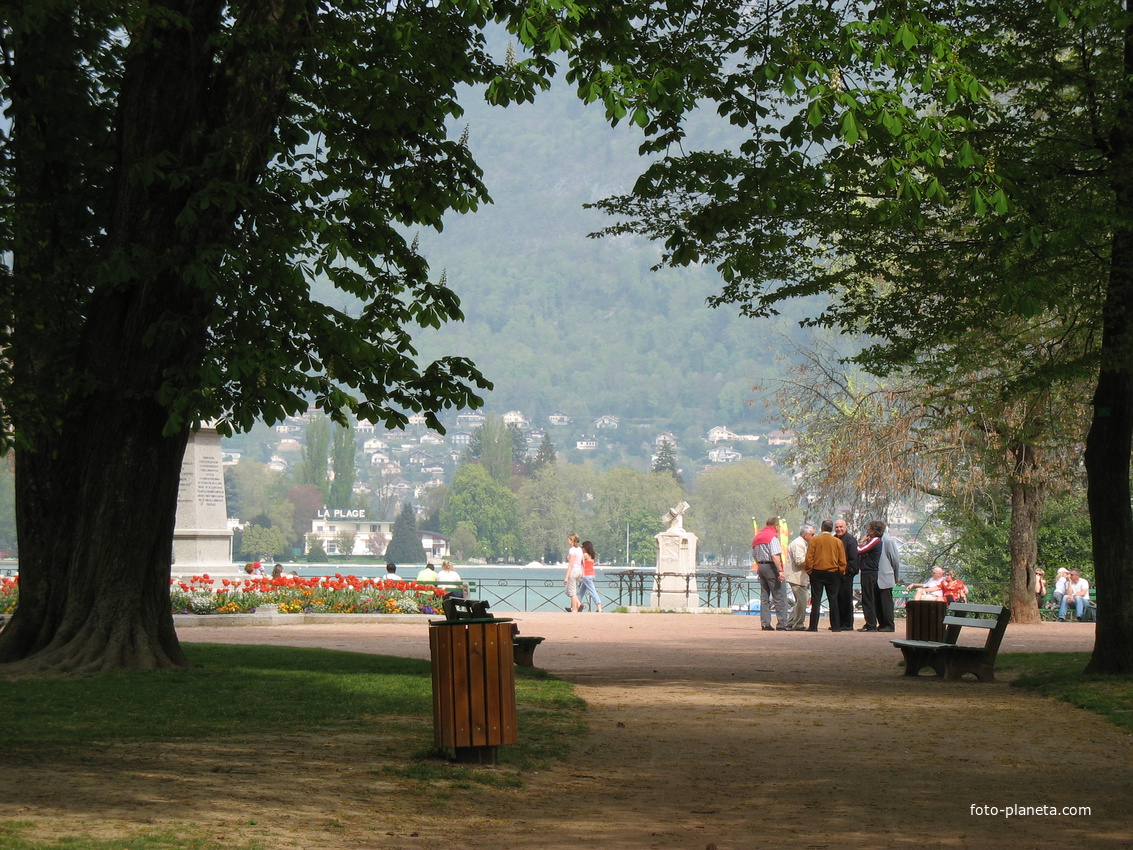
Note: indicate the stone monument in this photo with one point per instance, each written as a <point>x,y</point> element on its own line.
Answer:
<point>676,564</point>
<point>202,541</point>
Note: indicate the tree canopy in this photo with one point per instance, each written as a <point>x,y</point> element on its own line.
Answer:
<point>404,545</point>
<point>939,168</point>
<point>174,176</point>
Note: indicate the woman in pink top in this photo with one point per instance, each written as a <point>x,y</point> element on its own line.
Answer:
<point>589,558</point>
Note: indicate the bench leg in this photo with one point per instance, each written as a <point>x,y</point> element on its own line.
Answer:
<point>978,664</point>
<point>917,658</point>
<point>524,649</point>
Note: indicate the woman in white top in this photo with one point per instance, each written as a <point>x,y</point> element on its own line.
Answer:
<point>573,573</point>
<point>449,579</point>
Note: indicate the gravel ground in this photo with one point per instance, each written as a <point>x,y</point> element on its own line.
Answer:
<point>704,732</point>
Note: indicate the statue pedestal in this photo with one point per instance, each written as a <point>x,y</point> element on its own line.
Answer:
<point>202,541</point>
<point>676,569</point>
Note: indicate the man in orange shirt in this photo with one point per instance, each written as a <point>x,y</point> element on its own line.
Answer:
<point>825,565</point>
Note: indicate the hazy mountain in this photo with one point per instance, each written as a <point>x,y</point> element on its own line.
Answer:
<point>559,321</point>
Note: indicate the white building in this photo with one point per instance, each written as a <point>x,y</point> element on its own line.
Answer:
<point>370,537</point>
<point>724,455</point>
<point>471,419</point>
<point>781,438</point>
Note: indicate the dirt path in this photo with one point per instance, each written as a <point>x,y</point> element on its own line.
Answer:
<point>705,732</point>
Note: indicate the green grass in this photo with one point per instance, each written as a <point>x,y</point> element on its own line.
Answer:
<point>234,692</point>
<point>1059,675</point>
<point>240,690</point>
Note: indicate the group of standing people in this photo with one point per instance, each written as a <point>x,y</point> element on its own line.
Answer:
<point>824,564</point>
<point>580,573</point>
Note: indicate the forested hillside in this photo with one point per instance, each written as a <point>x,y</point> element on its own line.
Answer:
<point>559,321</point>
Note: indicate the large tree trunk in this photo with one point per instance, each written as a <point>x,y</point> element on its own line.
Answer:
<point>1108,491</point>
<point>99,454</point>
<point>96,516</point>
<point>1109,441</point>
<point>1027,496</point>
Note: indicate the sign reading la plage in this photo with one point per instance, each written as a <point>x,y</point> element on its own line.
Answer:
<point>327,513</point>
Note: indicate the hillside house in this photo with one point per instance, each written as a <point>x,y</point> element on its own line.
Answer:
<point>470,419</point>
<point>781,438</point>
<point>724,454</point>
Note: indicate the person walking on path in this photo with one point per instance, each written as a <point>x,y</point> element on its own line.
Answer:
<point>767,553</point>
<point>587,587</point>
<point>888,574</point>
<point>825,565</point>
<point>573,575</point>
<point>797,579</point>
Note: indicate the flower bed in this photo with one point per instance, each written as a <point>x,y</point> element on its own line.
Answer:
<point>9,593</point>
<point>335,594</point>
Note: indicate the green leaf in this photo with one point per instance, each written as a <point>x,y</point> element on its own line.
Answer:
<point>815,115</point>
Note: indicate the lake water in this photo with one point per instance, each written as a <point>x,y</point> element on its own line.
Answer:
<point>521,588</point>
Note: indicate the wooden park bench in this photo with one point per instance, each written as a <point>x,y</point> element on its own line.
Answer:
<point>523,648</point>
<point>951,659</point>
<point>1048,608</point>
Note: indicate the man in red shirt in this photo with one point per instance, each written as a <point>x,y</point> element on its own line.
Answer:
<point>767,552</point>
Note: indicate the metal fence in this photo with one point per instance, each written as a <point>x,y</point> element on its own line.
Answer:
<point>627,588</point>
<point>637,588</point>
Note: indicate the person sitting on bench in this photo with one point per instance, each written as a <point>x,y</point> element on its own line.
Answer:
<point>1078,592</point>
<point>449,579</point>
<point>933,589</point>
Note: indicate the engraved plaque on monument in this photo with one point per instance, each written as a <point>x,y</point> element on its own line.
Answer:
<point>201,537</point>
<point>676,564</point>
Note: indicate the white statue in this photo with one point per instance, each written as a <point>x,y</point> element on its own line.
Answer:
<point>674,517</point>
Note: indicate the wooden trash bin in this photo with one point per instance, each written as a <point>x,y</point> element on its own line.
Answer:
<point>924,620</point>
<point>473,687</point>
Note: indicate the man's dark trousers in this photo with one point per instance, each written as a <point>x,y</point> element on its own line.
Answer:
<point>871,597</point>
<point>828,581</point>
